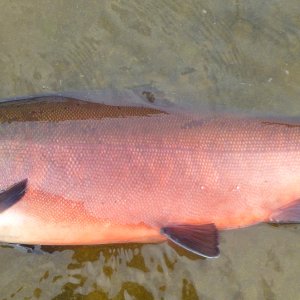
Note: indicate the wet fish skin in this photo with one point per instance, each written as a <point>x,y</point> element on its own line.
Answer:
<point>107,174</point>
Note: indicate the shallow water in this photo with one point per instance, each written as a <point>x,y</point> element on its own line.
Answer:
<point>222,54</point>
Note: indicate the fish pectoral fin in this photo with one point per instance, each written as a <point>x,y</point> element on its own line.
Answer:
<point>289,213</point>
<point>199,239</point>
<point>12,195</point>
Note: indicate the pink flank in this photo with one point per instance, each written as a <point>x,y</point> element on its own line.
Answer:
<point>120,179</point>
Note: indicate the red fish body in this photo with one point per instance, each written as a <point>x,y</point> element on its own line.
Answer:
<point>122,177</point>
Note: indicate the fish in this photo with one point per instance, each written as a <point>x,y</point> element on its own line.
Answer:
<point>81,172</point>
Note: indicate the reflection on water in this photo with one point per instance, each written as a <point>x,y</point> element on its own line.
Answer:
<point>103,272</point>
<point>255,263</point>
<point>226,54</point>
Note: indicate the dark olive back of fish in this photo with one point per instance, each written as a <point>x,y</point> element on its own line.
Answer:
<point>51,108</point>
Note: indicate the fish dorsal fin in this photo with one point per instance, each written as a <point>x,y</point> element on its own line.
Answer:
<point>199,239</point>
<point>289,213</point>
<point>12,195</point>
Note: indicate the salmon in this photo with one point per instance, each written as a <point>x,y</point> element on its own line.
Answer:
<point>75,172</point>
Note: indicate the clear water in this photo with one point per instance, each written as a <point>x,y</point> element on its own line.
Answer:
<point>225,54</point>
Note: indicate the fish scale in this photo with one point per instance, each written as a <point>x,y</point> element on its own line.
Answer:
<point>109,174</point>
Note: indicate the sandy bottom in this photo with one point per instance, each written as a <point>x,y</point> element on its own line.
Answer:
<point>218,54</point>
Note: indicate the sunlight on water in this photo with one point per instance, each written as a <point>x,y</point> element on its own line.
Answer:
<point>253,263</point>
<point>224,54</point>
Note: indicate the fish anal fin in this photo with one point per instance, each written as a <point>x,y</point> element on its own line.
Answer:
<point>200,239</point>
<point>289,213</point>
<point>12,195</point>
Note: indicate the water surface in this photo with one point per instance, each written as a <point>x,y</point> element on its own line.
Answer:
<point>222,54</point>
